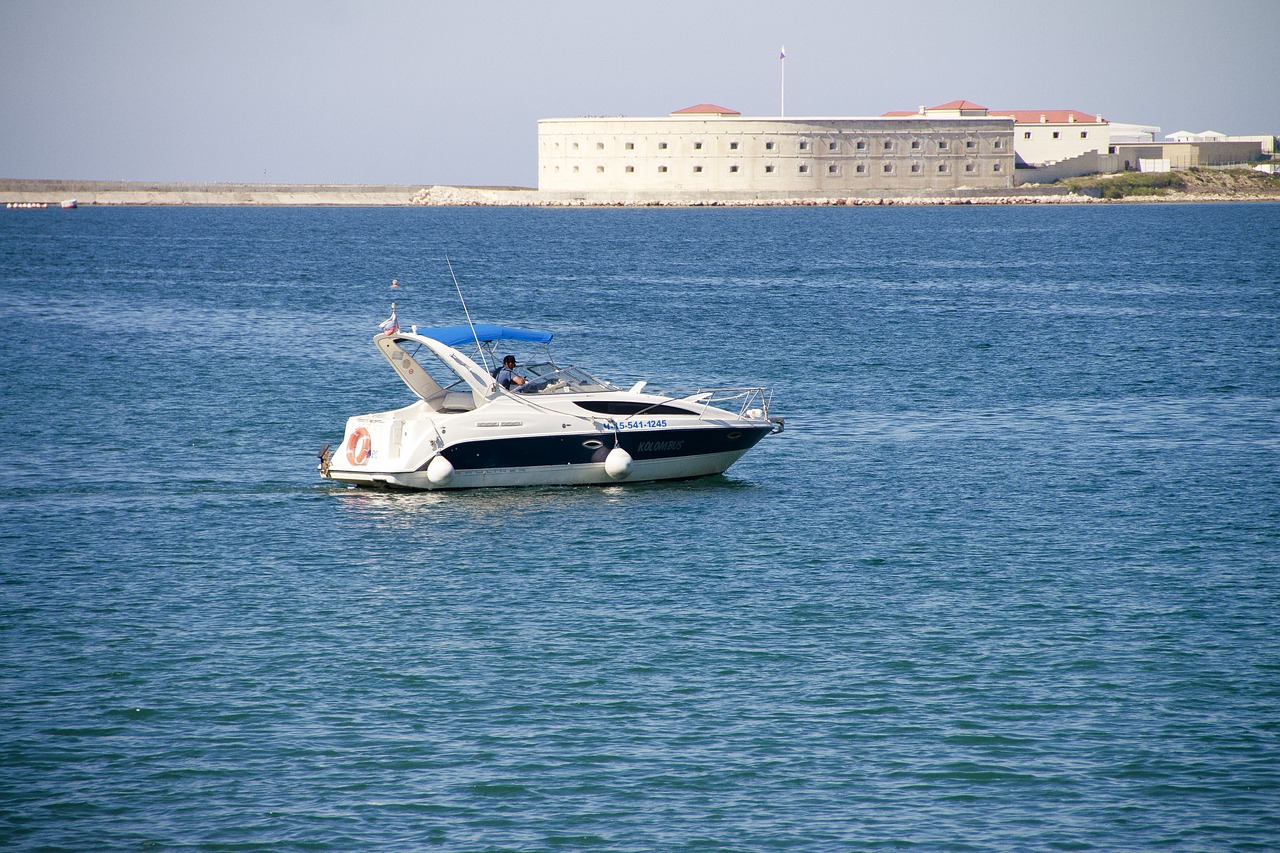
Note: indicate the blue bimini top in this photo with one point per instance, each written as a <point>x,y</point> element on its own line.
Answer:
<point>452,336</point>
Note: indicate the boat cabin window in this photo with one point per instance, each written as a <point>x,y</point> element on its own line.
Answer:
<point>631,407</point>
<point>546,378</point>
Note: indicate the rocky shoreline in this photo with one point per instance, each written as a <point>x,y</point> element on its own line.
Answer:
<point>469,197</point>
<point>26,194</point>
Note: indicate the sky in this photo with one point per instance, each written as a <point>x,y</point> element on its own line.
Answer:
<point>426,92</point>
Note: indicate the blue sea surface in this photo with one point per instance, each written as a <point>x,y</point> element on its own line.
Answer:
<point>1009,580</point>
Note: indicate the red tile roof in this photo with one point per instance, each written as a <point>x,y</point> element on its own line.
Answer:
<point>706,109</point>
<point>1050,116</point>
<point>1019,116</point>
<point>958,105</point>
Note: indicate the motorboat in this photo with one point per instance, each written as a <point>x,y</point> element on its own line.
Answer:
<point>562,426</point>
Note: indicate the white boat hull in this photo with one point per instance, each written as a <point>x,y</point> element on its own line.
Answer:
<point>684,468</point>
<point>572,459</point>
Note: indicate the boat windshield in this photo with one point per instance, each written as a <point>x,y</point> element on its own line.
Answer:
<point>546,378</point>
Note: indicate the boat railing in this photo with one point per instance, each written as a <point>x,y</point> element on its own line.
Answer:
<point>744,399</point>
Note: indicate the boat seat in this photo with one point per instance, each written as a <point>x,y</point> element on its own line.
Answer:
<point>452,401</point>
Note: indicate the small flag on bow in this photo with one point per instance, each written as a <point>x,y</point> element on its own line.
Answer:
<point>390,325</point>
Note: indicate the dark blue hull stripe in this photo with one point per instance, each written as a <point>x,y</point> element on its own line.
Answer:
<point>530,451</point>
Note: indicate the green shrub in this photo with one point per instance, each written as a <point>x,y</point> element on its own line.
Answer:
<point>1129,183</point>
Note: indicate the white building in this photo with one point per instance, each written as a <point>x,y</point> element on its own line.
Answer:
<point>1042,137</point>
<point>1202,136</point>
<point>707,153</point>
<point>1185,150</point>
<point>1133,133</point>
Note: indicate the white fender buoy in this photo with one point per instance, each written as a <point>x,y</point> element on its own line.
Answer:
<point>618,464</point>
<point>440,470</point>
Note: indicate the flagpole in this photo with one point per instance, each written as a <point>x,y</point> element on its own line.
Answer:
<point>782,59</point>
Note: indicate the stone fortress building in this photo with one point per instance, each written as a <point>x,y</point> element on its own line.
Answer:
<point>708,153</point>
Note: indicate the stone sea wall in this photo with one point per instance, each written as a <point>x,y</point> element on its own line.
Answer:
<point>29,193</point>
<point>146,193</point>
<point>14,191</point>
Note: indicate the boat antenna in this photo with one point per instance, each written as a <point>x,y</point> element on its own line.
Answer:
<point>467,311</point>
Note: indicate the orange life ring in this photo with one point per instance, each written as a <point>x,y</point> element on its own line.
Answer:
<point>359,446</point>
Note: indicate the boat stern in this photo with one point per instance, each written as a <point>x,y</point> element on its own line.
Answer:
<point>384,449</point>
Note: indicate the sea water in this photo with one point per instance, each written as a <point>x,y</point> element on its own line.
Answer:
<point>1008,581</point>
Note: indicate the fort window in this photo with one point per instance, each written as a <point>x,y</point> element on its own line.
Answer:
<point>631,168</point>
<point>968,167</point>
<point>733,146</point>
<point>969,143</point>
<point>833,169</point>
<point>599,170</point>
<point>860,145</point>
<point>575,170</point>
<point>1026,135</point>
<point>999,144</point>
<point>1084,134</point>
<point>996,168</point>
<point>662,168</point>
<point>804,146</point>
<point>697,146</point>
<point>631,146</point>
<point>804,168</point>
<point>862,167</point>
<point>915,144</point>
<point>599,146</point>
<point>942,167</point>
<point>768,170</point>
<point>768,146</point>
<point>832,146</point>
<point>733,168</point>
<point>1056,134</point>
<point>888,146</point>
<point>915,168</point>
<point>943,145</point>
<point>662,146</point>
<point>697,169</point>
<point>888,167</point>
<point>575,146</point>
